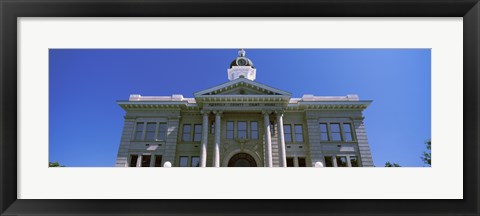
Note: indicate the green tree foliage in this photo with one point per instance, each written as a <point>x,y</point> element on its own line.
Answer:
<point>427,155</point>
<point>388,164</point>
<point>54,164</point>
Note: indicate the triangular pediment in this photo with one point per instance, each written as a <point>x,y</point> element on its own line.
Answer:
<point>242,86</point>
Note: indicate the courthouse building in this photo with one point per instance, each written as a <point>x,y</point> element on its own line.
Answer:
<point>243,123</point>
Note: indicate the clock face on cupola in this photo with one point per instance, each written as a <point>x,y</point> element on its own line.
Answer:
<point>241,67</point>
<point>241,62</point>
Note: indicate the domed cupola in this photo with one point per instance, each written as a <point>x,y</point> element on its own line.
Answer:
<point>241,67</point>
<point>241,60</point>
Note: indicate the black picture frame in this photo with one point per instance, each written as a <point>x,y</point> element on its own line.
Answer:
<point>10,10</point>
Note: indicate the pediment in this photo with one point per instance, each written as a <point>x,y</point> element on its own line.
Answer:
<point>242,86</point>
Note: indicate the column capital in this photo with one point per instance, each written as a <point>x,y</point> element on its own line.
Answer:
<point>279,113</point>
<point>266,112</point>
<point>217,112</point>
<point>205,112</point>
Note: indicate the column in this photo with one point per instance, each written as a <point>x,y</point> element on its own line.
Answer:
<point>268,140</point>
<point>152,160</point>
<point>203,150</point>
<point>216,149</point>
<point>139,160</point>
<point>281,141</point>
<point>295,161</point>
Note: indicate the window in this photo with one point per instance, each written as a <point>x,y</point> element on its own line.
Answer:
<point>158,160</point>
<point>212,127</point>
<point>197,133</point>
<point>253,130</point>
<point>146,160</point>
<point>302,162</point>
<point>323,132</point>
<point>328,161</point>
<point>195,161</point>
<point>289,162</point>
<point>336,132</point>
<point>230,129</point>
<point>187,129</point>
<point>354,161</point>
<point>150,134</point>
<point>287,132</point>
<point>183,161</point>
<point>241,130</point>
<point>298,133</point>
<point>133,160</point>
<point>139,131</point>
<point>162,131</point>
<point>342,161</point>
<point>347,129</point>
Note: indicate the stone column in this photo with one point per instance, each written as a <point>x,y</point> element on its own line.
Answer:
<point>216,148</point>
<point>203,150</point>
<point>268,140</point>
<point>152,160</point>
<point>281,141</point>
<point>139,160</point>
<point>295,161</point>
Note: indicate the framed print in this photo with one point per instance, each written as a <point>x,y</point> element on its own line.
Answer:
<point>60,57</point>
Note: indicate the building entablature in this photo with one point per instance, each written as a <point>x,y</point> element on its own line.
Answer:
<point>329,105</point>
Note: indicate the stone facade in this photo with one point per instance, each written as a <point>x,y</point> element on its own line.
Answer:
<point>244,123</point>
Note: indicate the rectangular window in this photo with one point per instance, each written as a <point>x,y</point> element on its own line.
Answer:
<point>162,131</point>
<point>146,160</point>
<point>287,132</point>
<point>302,162</point>
<point>187,132</point>
<point>298,133</point>
<point>197,132</point>
<point>133,160</point>
<point>328,161</point>
<point>253,130</point>
<point>195,161</point>
<point>336,132</point>
<point>354,161</point>
<point>241,130</point>
<point>342,161</point>
<point>289,162</point>
<point>158,160</point>
<point>230,129</point>
<point>139,131</point>
<point>347,129</point>
<point>183,161</point>
<point>212,128</point>
<point>150,133</point>
<point>323,132</point>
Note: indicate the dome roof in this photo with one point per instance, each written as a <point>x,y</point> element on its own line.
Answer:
<point>241,60</point>
<point>235,62</point>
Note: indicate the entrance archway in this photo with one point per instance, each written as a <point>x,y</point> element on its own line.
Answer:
<point>242,160</point>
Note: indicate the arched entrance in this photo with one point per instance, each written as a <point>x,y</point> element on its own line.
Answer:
<point>242,160</point>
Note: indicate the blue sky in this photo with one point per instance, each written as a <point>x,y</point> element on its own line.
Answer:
<point>85,123</point>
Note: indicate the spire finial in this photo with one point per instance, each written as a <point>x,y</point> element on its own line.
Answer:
<point>241,53</point>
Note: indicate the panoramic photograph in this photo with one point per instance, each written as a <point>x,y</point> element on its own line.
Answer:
<point>240,107</point>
